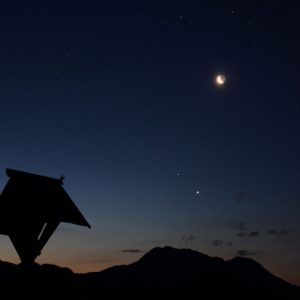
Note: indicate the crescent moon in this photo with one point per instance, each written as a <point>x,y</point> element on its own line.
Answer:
<point>220,79</point>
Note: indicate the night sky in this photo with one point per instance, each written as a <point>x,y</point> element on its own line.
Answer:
<point>120,97</point>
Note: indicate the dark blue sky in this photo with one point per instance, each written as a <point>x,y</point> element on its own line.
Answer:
<point>119,97</point>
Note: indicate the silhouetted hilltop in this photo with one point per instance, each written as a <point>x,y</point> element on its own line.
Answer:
<point>165,265</point>
<point>186,272</point>
<point>162,271</point>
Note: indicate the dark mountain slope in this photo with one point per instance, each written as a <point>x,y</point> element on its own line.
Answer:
<point>186,272</point>
<point>162,272</point>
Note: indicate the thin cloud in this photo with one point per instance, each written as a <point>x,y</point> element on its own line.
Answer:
<point>241,234</point>
<point>217,243</point>
<point>284,232</point>
<point>272,232</point>
<point>249,235</point>
<point>238,225</point>
<point>279,232</point>
<point>253,234</point>
<point>245,253</point>
<point>187,239</point>
<point>131,251</point>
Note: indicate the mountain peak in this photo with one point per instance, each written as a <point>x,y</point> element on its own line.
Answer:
<point>168,250</point>
<point>183,258</point>
<point>174,271</point>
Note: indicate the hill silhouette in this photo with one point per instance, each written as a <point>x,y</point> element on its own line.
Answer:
<point>167,272</point>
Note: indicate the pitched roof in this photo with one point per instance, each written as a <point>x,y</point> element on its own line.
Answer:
<point>28,197</point>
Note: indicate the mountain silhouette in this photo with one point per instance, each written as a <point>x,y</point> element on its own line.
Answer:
<point>162,272</point>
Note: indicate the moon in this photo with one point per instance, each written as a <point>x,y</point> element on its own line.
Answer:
<point>220,79</point>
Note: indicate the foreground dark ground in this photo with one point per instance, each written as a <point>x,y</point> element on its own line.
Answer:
<point>162,272</point>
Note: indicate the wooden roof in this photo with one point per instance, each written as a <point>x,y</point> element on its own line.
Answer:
<point>27,198</point>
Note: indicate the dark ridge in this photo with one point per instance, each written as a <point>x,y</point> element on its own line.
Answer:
<point>162,272</point>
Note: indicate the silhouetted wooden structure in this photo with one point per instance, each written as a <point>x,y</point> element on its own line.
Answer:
<point>31,208</point>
